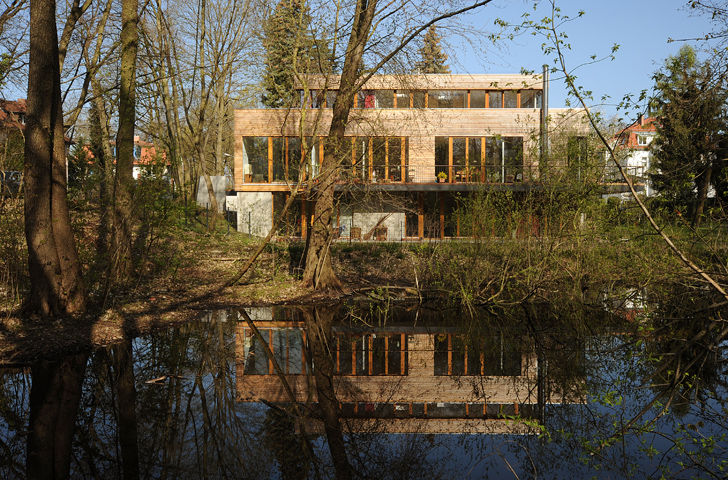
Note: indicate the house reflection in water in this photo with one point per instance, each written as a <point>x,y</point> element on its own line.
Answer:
<point>397,378</point>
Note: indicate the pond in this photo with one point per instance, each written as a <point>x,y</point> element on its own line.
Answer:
<point>380,390</point>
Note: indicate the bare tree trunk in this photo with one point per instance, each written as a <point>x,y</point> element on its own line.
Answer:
<point>54,399</point>
<point>319,272</point>
<point>126,398</point>
<point>124,181</point>
<point>55,270</point>
<point>319,321</point>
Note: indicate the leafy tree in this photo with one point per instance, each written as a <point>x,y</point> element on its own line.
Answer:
<point>432,58</point>
<point>691,125</point>
<point>290,48</point>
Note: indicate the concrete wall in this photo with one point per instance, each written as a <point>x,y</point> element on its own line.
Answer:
<point>255,213</point>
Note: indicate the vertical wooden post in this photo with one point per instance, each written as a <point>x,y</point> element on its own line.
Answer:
<point>304,219</point>
<point>270,345</point>
<point>468,100</point>
<point>518,99</point>
<point>386,355</point>
<point>487,99</point>
<point>402,349</point>
<point>403,143</point>
<point>449,354</point>
<point>482,158</point>
<point>370,157</point>
<point>441,197</point>
<point>270,159</point>
<point>370,358</point>
<point>449,159</point>
<point>467,157</point>
<point>421,215</point>
<point>386,158</point>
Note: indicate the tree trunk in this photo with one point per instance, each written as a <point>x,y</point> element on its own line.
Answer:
<point>318,325</point>
<point>54,399</point>
<point>54,267</point>
<point>319,272</point>
<point>126,398</point>
<point>123,180</point>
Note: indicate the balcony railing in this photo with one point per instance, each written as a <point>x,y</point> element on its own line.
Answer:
<point>487,174</point>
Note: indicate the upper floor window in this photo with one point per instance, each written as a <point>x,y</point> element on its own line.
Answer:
<point>643,140</point>
<point>531,98</point>
<point>446,99</point>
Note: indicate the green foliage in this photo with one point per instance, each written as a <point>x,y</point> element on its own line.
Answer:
<point>290,49</point>
<point>432,58</point>
<point>691,145</point>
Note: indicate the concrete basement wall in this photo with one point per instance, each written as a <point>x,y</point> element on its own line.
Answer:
<point>255,213</point>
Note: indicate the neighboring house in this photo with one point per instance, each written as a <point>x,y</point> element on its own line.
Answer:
<point>420,141</point>
<point>146,158</point>
<point>12,124</point>
<point>632,146</point>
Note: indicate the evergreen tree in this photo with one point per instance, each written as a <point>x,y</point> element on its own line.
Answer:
<point>691,127</point>
<point>290,47</point>
<point>432,58</point>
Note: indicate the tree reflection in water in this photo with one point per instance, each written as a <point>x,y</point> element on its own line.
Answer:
<point>382,392</point>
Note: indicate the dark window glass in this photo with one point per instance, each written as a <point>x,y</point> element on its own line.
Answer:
<point>495,99</point>
<point>530,98</point>
<point>441,157</point>
<point>379,158</point>
<point>458,154</point>
<point>384,98</point>
<point>394,360</point>
<point>294,158</point>
<point>317,98</point>
<point>403,98</point>
<point>279,159</point>
<point>510,99</point>
<point>474,160</point>
<point>441,354</point>
<point>493,159</point>
<point>513,158</point>
<point>446,99</point>
<point>255,151</point>
<point>418,99</point>
<point>256,361</point>
<point>477,99</point>
<point>331,97</point>
<point>379,352</point>
<point>395,159</point>
<point>458,355</point>
<point>345,355</point>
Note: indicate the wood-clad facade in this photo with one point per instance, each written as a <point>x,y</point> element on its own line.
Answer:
<point>409,133</point>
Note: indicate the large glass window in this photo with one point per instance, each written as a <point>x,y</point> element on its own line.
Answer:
<point>495,99</point>
<point>403,98</point>
<point>379,158</point>
<point>458,158</point>
<point>255,156</point>
<point>384,98</point>
<point>513,158</point>
<point>366,99</point>
<point>418,99</point>
<point>294,158</point>
<point>394,151</point>
<point>441,159</point>
<point>446,99</point>
<point>493,159</point>
<point>371,354</point>
<point>279,159</point>
<point>530,98</point>
<point>474,159</point>
<point>477,99</point>
<point>331,97</point>
<point>510,99</point>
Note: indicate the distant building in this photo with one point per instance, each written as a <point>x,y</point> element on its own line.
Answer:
<point>633,145</point>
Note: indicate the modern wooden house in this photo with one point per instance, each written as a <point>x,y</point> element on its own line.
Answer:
<point>398,378</point>
<point>418,143</point>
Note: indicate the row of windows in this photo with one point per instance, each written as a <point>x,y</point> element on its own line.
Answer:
<point>380,354</point>
<point>430,98</point>
<point>280,159</point>
<point>472,159</point>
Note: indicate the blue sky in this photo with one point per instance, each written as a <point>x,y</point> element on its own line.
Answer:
<point>640,27</point>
